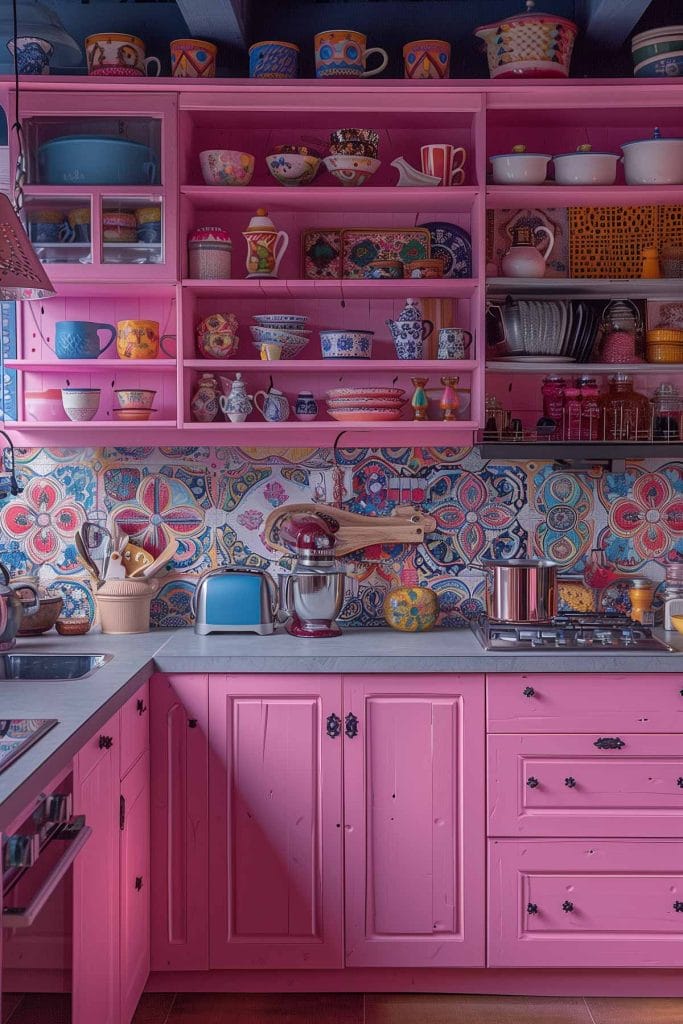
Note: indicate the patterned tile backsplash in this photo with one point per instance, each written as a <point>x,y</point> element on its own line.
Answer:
<point>215,502</point>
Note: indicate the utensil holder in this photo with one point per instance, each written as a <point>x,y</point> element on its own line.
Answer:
<point>124,605</point>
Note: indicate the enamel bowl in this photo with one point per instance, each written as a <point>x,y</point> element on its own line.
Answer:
<point>520,168</point>
<point>586,168</point>
<point>346,344</point>
<point>653,161</point>
<point>351,170</point>
<point>80,404</point>
<point>293,168</point>
<point>667,65</point>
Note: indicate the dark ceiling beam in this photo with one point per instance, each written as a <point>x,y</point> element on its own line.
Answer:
<point>609,22</point>
<point>220,21</point>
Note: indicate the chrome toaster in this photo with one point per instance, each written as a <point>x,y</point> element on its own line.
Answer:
<point>235,600</point>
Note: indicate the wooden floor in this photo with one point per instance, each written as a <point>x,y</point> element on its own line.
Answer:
<point>348,1008</point>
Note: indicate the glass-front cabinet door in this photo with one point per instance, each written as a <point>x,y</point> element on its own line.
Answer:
<point>101,184</point>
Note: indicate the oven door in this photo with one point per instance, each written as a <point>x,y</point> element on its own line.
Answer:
<point>37,916</point>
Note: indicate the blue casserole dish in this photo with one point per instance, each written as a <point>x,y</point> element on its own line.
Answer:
<point>96,160</point>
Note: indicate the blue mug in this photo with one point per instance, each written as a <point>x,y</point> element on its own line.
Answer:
<point>273,59</point>
<point>44,232</point>
<point>149,232</point>
<point>80,339</point>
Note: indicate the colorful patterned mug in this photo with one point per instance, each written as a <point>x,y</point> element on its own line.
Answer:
<point>426,58</point>
<point>80,339</point>
<point>441,160</point>
<point>139,339</point>
<point>273,59</point>
<point>193,58</point>
<point>343,53</point>
<point>453,343</point>
<point>116,54</point>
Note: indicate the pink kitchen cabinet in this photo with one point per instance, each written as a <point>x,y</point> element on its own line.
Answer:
<point>585,903</point>
<point>414,820</point>
<point>96,881</point>
<point>179,822</point>
<point>134,861</point>
<point>275,789</point>
<point>585,785</point>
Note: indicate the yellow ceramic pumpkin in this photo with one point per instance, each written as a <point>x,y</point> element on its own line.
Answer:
<point>411,609</point>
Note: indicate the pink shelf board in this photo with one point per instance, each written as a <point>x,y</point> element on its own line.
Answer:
<point>67,282</point>
<point>336,197</point>
<point>91,365</point>
<point>301,288</point>
<point>30,425</point>
<point>333,366</point>
<point>552,195</point>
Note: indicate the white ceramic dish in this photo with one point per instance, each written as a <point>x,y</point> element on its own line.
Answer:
<point>520,168</point>
<point>585,168</point>
<point>80,404</point>
<point>654,161</point>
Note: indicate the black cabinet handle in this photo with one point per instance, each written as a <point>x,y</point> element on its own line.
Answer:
<point>678,907</point>
<point>138,883</point>
<point>679,781</point>
<point>609,743</point>
<point>192,723</point>
<point>333,726</point>
<point>532,782</point>
<point>351,725</point>
<point>105,742</point>
<point>529,691</point>
<point>531,908</point>
<point>140,707</point>
<point>570,782</point>
<point>567,906</point>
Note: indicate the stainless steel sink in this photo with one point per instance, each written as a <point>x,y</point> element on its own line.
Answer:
<point>51,667</point>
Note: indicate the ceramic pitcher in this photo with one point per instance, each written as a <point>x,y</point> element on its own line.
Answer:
<point>274,408</point>
<point>523,259</point>
<point>237,405</point>
<point>265,246</point>
<point>410,331</point>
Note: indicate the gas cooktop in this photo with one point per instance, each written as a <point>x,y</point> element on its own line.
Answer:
<point>18,734</point>
<point>569,632</point>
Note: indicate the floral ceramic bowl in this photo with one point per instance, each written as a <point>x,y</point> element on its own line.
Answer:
<point>293,168</point>
<point>226,166</point>
<point>351,170</point>
<point>346,344</point>
<point>135,398</point>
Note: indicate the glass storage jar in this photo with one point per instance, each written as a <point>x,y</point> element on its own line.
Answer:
<point>590,408</point>
<point>667,413</point>
<point>625,413</point>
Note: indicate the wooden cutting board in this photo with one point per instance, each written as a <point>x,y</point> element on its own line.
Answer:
<point>405,525</point>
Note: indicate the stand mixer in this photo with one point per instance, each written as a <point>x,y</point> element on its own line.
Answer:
<point>313,593</point>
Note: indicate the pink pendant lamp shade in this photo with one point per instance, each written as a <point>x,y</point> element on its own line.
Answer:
<point>21,273</point>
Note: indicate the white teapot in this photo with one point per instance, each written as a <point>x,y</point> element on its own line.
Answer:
<point>523,259</point>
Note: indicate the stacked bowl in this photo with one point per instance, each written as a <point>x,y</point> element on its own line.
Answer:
<point>134,404</point>
<point>365,405</point>
<point>284,330</point>
<point>658,53</point>
<point>353,155</point>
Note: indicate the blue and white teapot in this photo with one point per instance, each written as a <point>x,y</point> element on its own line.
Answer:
<point>410,331</point>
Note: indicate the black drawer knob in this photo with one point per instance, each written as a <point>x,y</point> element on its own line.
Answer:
<point>333,726</point>
<point>532,782</point>
<point>679,781</point>
<point>678,907</point>
<point>529,691</point>
<point>570,782</point>
<point>609,743</point>
<point>105,742</point>
<point>531,908</point>
<point>140,707</point>
<point>567,906</point>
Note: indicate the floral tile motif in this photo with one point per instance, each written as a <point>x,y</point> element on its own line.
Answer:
<point>645,516</point>
<point>172,607</point>
<point>565,503</point>
<point>43,519</point>
<point>162,509</point>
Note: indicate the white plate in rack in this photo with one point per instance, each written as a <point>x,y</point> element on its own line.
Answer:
<point>536,359</point>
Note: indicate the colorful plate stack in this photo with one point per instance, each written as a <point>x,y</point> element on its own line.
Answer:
<point>285,329</point>
<point>365,405</point>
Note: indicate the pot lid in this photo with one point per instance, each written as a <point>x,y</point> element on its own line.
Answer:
<point>656,137</point>
<point>530,15</point>
<point>261,221</point>
<point>518,150</point>
<point>585,150</point>
<point>209,234</point>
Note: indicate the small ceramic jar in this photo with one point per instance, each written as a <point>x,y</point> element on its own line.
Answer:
<point>306,407</point>
<point>210,254</point>
<point>520,167</point>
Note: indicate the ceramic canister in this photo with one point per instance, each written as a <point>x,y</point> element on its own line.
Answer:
<point>193,58</point>
<point>306,407</point>
<point>342,53</point>
<point>139,339</point>
<point>426,58</point>
<point>273,59</point>
<point>119,55</point>
<point>33,55</point>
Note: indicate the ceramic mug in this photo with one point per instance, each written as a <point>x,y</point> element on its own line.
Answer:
<point>79,222</point>
<point>118,226</point>
<point>118,55</point>
<point>193,58</point>
<point>139,339</point>
<point>426,58</point>
<point>47,226</point>
<point>445,162</point>
<point>33,55</point>
<point>148,221</point>
<point>343,53</point>
<point>80,339</point>
<point>273,59</point>
<point>453,343</point>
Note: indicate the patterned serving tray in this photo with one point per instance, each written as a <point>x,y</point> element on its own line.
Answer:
<point>345,252</point>
<point>321,250</point>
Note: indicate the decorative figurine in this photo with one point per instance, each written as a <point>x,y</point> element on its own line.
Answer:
<point>265,246</point>
<point>449,402</point>
<point>420,400</point>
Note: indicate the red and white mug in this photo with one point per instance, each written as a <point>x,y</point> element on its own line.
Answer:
<point>445,162</point>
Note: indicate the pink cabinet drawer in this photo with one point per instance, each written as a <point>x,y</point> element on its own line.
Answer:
<point>105,743</point>
<point>604,704</point>
<point>134,728</point>
<point>585,785</point>
<point>584,903</point>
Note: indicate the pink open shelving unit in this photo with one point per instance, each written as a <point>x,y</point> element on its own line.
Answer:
<point>180,117</point>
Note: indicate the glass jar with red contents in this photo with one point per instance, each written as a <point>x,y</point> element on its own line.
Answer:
<point>625,413</point>
<point>571,414</point>
<point>591,427</point>
<point>552,391</point>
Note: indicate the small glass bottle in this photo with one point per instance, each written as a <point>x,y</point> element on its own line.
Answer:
<point>625,413</point>
<point>667,413</point>
<point>590,409</point>
<point>552,391</point>
<point>571,414</point>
